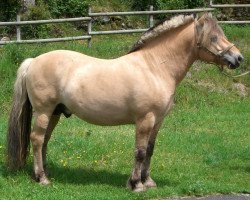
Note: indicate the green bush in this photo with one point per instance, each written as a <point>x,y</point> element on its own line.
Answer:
<point>69,8</point>
<point>194,3</point>
<point>170,4</point>
<point>166,4</point>
<point>143,4</point>
<point>37,12</point>
<point>224,1</point>
<point>9,9</point>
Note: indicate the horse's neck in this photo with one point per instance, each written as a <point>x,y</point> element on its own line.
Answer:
<point>172,52</point>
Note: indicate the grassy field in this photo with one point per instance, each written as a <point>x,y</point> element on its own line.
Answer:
<point>203,146</point>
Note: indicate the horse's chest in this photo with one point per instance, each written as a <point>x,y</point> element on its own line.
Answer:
<point>165,104</point>
<point>169,104</point>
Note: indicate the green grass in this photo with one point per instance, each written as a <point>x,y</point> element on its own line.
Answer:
<point>202,148</point>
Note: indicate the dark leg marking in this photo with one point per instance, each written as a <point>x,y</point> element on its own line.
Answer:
<point>145,170</point>
<point>145,173</point>
<point>140,155</point>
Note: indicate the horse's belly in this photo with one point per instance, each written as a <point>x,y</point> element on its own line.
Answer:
<point>104,116</point>
<point>100,110</point>
<point>98,98</point>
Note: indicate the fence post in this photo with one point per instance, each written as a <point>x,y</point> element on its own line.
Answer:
<point>151,17</point>
<point>210,3</point>
<point>89,27</point>
<point>18,28</point>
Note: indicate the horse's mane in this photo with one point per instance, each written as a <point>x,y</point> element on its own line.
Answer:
<point>158,29</point>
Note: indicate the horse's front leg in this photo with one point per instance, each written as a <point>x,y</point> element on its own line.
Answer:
<point>145,173</point>
<point>144,127</point>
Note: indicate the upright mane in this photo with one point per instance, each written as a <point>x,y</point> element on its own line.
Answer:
<point>160,28</point>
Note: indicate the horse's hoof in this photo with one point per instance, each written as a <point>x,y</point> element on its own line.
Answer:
<point>41,178</point>
<point>44,181</point>
<point>149,183</point>
<point>136,186</point>
<point>139,187</point>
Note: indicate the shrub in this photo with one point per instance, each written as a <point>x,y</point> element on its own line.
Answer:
<point>9,9</point>
<point>170,4</point>
<point>194,3</point>
<point>143,4</point>
<point>166,4</point>
<point>69,8</point>
<point>37,12</point>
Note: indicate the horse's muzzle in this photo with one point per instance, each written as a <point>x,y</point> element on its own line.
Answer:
<point>233,60</point>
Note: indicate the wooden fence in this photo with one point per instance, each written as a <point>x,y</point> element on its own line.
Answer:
<point>91,15</point>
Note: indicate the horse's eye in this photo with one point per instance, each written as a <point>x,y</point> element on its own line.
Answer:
<point>214,38</point>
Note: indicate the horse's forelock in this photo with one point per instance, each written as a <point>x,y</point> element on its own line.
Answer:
<point>211,27</point>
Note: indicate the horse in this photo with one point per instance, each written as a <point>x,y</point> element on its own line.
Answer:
<point>137,88</point>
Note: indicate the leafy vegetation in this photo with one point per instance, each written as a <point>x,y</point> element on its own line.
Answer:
<point>71,8</point>
<point>202,148</point>
<point>167,4</point>
<point>9,9</point>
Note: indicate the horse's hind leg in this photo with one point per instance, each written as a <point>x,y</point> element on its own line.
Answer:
<point>52,123</point>
<point>37,138</point>
<point>145,176</point>
<point>144,127</point>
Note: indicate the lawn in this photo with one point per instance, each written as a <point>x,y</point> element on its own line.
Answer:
<point>203,146</point>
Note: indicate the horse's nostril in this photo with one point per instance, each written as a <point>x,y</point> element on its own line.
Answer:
<point>240,58</point>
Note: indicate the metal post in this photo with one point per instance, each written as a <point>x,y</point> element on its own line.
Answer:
<point>151,17</point>
<point>89,28</point>
<point>18,28</point>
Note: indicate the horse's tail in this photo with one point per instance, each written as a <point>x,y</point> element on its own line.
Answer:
<point>18,136</point>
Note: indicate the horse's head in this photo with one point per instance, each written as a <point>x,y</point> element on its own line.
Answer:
<point>213,45</point>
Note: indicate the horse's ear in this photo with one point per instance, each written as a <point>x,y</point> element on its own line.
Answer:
<point>199,26</point>
<point>195,15</point>
<point>208,15</point>
<point>199,23</point>
<point>205,15</point>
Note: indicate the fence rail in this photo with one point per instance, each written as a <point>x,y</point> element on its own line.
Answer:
<point>150,12</point>
<point>84,37</point>
<point>118,31</point>
<point>47,21</point>
<point>91,15</point>
<point>228,5</point>
<point>234,22</point>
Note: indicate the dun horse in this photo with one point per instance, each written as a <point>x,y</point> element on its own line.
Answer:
<point>137,88</point>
